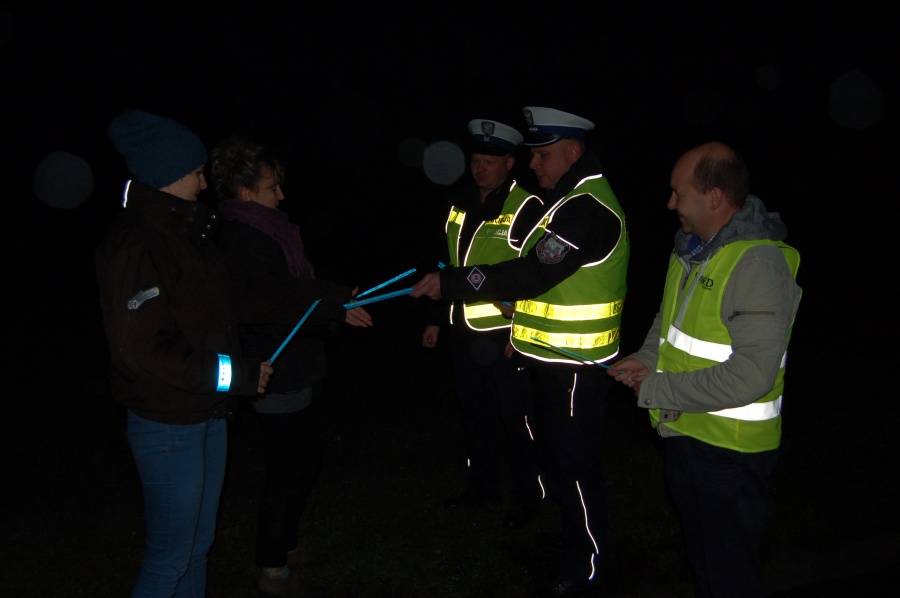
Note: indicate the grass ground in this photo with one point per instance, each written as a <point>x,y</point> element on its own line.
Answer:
<point>72,524</point>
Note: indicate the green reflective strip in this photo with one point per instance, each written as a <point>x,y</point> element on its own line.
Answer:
<point>567,340</point>
<point>570,312</point>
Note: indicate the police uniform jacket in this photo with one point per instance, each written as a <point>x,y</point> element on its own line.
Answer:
<point>588,228</point>
<point>467,199</point>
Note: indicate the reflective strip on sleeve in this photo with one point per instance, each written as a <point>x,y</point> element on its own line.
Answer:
<point>224,373</point>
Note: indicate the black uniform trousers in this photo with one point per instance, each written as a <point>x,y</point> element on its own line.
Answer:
<point>495,399</point>
<point>568,424</point>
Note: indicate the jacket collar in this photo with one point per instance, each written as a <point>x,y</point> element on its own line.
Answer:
<point>193,220</point>
<point>752,223</point>
<point>587,165</point>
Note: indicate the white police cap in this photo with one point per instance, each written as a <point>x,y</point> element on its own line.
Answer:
<point>548,125</point>
<point>493,138</point>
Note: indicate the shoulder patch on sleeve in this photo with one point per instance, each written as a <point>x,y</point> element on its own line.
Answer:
<point>476,278</point>
<point>136,301</point>
<point>551,249</point>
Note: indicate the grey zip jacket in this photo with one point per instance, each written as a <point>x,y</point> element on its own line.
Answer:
<point>759,305</point>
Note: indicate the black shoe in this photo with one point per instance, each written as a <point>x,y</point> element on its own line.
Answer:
<point>468,500</point>
<point>518,517</point>
<point>566,588</point>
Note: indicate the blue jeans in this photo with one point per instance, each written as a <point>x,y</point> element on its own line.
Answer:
<point>182,469</point>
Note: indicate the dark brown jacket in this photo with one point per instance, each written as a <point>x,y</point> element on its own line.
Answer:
<point>171,304</point>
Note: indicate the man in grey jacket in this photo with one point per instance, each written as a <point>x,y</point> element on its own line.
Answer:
<point>711,369</point>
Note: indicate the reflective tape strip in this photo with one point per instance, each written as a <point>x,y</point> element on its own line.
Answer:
<point>705,349</point>
<point>696,347</point>
<point>568,341</point>
<point>224,373</point>
<point>125,193</point>
<point>457,217</point>
<point>485,310</point>
<point>570,313</point>
<point>504,219</point>
<point>754,412</point>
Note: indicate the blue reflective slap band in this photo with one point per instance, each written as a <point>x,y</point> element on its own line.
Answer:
<point>224,373</point>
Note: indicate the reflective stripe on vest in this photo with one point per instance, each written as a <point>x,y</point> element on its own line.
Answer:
<point>570,312</point>
<point>568,340</point>
<point>720,352</point>
<point>481,310</point>
<point>705,349</point>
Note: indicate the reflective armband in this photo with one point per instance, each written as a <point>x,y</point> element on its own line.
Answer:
<point>224,373</point>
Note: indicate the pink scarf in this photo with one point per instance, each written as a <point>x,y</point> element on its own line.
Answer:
<point>274,223</point>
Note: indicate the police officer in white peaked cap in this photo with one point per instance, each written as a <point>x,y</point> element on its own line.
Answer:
<point>569,285</point>
<point>494,395</point>
<point>493,138</point>
<point>548,125</point>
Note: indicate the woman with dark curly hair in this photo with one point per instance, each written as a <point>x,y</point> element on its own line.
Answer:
<point>247,181</point>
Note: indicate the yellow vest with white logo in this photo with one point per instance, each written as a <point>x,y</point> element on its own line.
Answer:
<point>701,340</point>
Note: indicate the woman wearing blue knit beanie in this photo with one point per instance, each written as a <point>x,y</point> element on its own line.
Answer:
<point>171,305</point>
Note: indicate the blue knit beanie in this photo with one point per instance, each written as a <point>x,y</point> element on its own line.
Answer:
<point>157,150</point>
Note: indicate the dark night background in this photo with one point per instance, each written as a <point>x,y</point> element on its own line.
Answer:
<point>806,91</point>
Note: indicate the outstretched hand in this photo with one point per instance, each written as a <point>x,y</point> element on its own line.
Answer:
<point>630,372</point>
<point>357,316</point>
<point>429,286</point>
